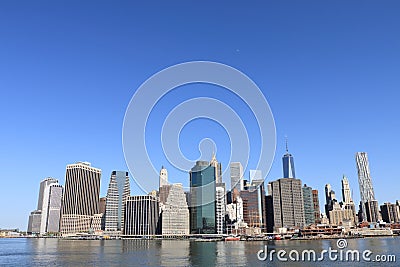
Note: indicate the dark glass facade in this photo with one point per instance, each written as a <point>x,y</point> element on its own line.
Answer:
<point>254,206</point>
<point>288,166</point>
<point>202,192</point>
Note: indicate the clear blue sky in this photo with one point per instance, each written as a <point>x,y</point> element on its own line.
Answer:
<point>329,69</point>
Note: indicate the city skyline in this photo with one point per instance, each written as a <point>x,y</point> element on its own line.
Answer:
<point>330,79</point>
<point>288,191</point>
<point>346,192</point>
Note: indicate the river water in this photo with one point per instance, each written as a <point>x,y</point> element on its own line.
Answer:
<point>55,252</point>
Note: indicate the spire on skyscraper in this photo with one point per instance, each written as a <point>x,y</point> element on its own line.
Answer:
<point>286,141</point>
<point>218,169</point>
<point>163,178</point>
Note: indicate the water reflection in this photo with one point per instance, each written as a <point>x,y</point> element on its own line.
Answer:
<point>203,253</point>
<point>27,252</point>
<point>175,253</point>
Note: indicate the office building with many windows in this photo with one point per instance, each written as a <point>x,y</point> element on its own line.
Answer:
<point>117,193</point>
<point>141,216</point>
<point>80,199</point>
<point>203,198</point>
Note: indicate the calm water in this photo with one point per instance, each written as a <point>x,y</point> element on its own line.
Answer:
<point>48,252</point>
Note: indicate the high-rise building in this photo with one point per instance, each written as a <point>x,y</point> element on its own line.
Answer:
<point>81,198</point>
<point>43,184</point>
<point>218,169</point>
<point>220,205</point>
<point>372,211</point>
<point>346,192</point>
<point>288,203</point>
<point>269,206</point>
<point>330,198</point>
<point>390,213</point>
<point>317,212</point>
<point>287,196</point>
<point>44,197</point>
<point>175,212</point>
<point>117,193</point>
<point>203,198</point>
<point>34,222</point>
<point>309,214</point>
<point>49,208</point>
<point>365,182</point>
<point>163,177</point>
<point>348,204</point>
<point>141,216</point>
<point>254,206</point>
<point>236,170</point>
<point>288,165</point>
<point>53,208</point>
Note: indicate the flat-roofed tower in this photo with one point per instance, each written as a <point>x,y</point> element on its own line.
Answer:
<point>81,198</point>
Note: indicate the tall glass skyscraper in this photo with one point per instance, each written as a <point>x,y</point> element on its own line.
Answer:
<point>288,165</point>
<point>203,195</point>
<point>118,191</point>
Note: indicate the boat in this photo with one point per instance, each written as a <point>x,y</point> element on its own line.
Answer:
<point>232,238</point>
<point>277,237</point>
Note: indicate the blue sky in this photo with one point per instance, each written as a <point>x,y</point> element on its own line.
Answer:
<point>329,70</point>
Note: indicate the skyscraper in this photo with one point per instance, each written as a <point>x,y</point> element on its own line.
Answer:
<point>348,204</point>
<point>346,192</point>
<point>365,183</point>
<point>54,208</point>
<point>308,205</point>
<point>220,205</point>
<point>288,164</point>
<point>254,205</point>
<point>218,169</point>
<point>317,212</point>
<point>288,203</point>
<point>141,216</point>
<point>117,193</point>
<point>47,216</point>
<point>203,196</point>
<point>163,177</point>
<point>43,184</point>
<point>287,196</point>
<point>330,198</point>
<point>175,212</point>
<point>34,222</point>
<point>390,213</point>
<point>372,211</point>
<point>236,170</point>
<point>81,198</point>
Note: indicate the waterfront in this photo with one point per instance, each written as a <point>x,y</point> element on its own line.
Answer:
<point>59,252</point>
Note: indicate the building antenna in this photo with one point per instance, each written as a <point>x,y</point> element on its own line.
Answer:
<point>286,141</point>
